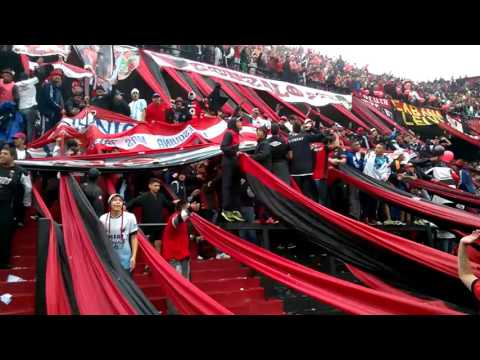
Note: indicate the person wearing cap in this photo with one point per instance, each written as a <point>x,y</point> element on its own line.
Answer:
<point>256,120</point>
<point>6,85</point>
<point>50,101</point>
<point>284,125</point>
<point>121,227</point>
<point>157,111</point>
<point>76,102</point>
<point>21,152</point>
<point>137,106</point>
<point>308,127</point>
<point>101,98</point>
<point>180,111</point>
<point>362,138</point>
<point>93,192</point>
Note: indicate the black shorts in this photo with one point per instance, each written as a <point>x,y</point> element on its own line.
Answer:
<point>153,235</point>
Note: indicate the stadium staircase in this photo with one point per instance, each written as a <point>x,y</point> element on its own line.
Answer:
<point>225,280</point>
<point>24,264</point>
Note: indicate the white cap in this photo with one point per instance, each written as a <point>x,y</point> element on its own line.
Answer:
<point>134,90</point>
<point>111,197</point>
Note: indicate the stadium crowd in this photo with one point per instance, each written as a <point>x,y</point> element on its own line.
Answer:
<point>299,153</point>
<point>310,68</point>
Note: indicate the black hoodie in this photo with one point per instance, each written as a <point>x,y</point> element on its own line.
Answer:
<point>231,142</point>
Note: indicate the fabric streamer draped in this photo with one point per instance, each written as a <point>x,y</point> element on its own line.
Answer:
<point>443,214</point>
<point>377,284</point>
<point>341,294</point>
<point>250,94</point>
<point>455,195</point>
<point>89,274</point>
<point>56,298</point>
<point>187,298</point>
<point>381,116</point>
<point>404,263</point>
<point>361,111</point>
<point>349,115</point>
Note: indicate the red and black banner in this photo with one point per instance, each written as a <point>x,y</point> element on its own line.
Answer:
<point>343,295</point>
<point>54,291</point>
<point>423,121</point>
<point>401,262</point>
<point>100,284</point>
<point>456,195</point>
<point>443,216</point>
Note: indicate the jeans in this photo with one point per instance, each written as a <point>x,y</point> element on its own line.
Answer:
<point>248,213</point>
<point>322,190</point>
<point>183,268</point>
<point>30,115</point>
<point>355,205</point>
<point>306,184</point>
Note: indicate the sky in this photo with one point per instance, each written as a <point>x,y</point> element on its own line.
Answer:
<point>416,62</point>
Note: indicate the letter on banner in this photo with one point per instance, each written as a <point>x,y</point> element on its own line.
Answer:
<point>294,91</point>
<point>278,92</point>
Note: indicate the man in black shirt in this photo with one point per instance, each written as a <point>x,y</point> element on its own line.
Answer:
<point>93,192</point>
<point>279,149</point>
<point>263,152</point>
<point>153,204</point>
<point>101,99</point>
<point>302,159</point>
<point>119,105</point>
<point>12,178</point>
<point>231,172</point>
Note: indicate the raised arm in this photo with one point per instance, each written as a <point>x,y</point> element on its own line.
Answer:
<point>465,271</point>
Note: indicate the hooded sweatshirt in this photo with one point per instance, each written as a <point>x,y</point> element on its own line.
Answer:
<point>230,143</point>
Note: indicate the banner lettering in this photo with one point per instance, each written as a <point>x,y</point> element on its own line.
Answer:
<point>286,91</point>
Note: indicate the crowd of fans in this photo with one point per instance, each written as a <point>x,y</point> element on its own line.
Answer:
<point>310,68</point>
<point>298,153</point>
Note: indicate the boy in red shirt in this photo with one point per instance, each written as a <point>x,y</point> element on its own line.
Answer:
<point>175,244</point>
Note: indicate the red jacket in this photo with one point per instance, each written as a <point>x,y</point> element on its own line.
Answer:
<point>175,243</point>
<point>156,113</point>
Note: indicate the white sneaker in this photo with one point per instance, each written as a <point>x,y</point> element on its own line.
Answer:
<point>222,256</point>
<point>199,257</point>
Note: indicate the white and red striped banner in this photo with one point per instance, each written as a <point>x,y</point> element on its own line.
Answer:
<point>70,71</point>
<point>286,91</point>
<point>42,50</point>
<point>101,130</point>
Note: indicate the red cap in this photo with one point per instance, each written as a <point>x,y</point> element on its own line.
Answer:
<point>20,135</point>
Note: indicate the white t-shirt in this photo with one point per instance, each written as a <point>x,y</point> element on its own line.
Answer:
<point>136,109</point>
<point>121,238</point>
<point>259,122</point>
<point>27,93</point>
<point>21,154</point>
